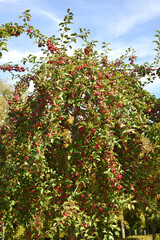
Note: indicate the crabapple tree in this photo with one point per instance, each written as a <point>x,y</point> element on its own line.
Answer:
<point>77,182</point>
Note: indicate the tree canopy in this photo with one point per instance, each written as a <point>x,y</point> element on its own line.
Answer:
<point>78,182</point>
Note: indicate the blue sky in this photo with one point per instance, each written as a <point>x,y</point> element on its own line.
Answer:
<point>123,23</point>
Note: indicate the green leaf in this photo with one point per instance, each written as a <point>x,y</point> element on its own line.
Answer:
<point>50,235</point>
<point>111,237</point>
<point>117,233</point>
<point>42,190</point>
<point>28,10</point>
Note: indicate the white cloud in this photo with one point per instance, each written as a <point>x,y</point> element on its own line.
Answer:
<point>143,49</point>
<point>114,18</point>
<point>16,56</point>
<point>55,19</point>
<point>132,13</point>
<point>154,87</point>
<point>155,84</point>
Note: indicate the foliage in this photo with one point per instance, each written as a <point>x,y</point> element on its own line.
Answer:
<point>73,176</point>
<point>5,94</point>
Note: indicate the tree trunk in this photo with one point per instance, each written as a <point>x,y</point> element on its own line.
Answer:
<point>3,231</point>
<point>70,232</point>
<point>153,229</point>
<point>135,232</point>
<point>75,128</point>
<point>146,223</point>
<point>123,228</point>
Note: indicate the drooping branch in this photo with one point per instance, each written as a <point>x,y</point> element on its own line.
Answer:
<point>75,127</point>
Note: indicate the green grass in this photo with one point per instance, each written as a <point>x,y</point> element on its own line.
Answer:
<point>142,237</point>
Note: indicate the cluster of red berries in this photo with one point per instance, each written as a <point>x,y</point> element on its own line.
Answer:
<point>117,64</point>
<point>41,45</point>
<point>51,47</point>
<point>131,59</point>
<point>104,61</point>
<point>17,33</point>
<point>142,71</point>
<point>12,68</point>
<point>14,31</point>
<point>158,72</point>
<point>87,50</point>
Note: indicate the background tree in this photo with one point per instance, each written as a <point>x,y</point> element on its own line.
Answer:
<point>5,94</point>
<point>151,150</point>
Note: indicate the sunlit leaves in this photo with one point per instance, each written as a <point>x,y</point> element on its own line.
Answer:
<point>73,146</point>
